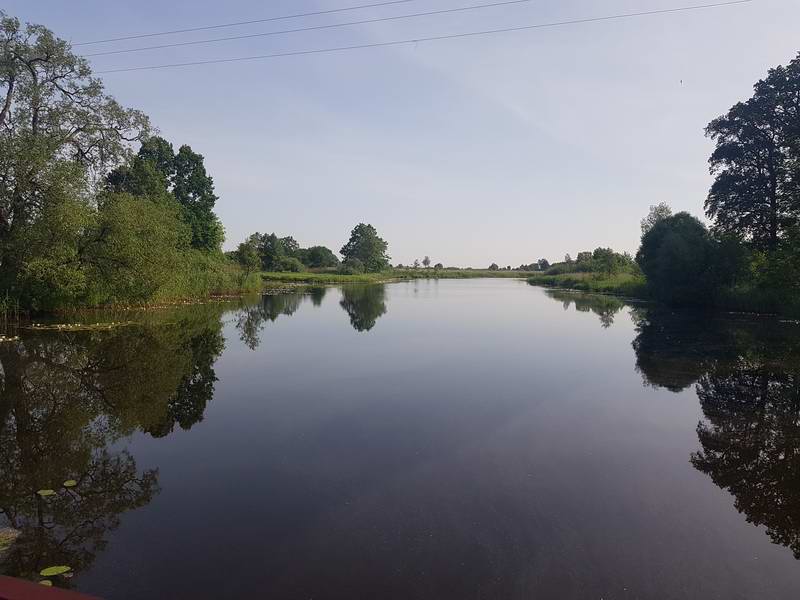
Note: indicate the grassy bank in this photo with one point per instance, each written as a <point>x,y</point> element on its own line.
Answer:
<point>622,284</point>
<point>327,277</point>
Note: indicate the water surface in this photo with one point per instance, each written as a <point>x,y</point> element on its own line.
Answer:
<point>451,439</point>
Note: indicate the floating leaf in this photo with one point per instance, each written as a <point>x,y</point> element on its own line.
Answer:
<point>44,493</point>
<point>70,483</point>
<point>52,571</point>
<point>46,582</point>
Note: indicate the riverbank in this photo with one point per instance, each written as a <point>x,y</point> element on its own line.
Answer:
<point>746,299</point>
<point>627,285</point>
<point>389,276</point>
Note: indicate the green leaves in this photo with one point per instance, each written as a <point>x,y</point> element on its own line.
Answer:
<point>70,483</point>
<point>45,493</point>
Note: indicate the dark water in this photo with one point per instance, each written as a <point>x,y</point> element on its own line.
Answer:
<point>459,439</point>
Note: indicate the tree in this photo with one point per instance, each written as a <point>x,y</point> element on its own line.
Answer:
<point>194,190</point>
<point>605,261</point>
<point>365,245</point>
<point>568,259</point>
<point>494,267</point>
<point>682,262</point>
<point>584,258</point>
<point>416,263</point>
<point>756,191</point>
<point>658,212</point>
<point>543,263</point>
<point>438,266</point>
<point>426,262</point>
<point>248,258</point>
<point>58,129</point>
<point>271,250</point>
<point>319,257</point>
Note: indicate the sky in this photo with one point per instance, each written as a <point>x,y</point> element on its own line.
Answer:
<point>504,148</point>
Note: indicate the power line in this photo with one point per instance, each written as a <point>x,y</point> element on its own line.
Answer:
<point>238,23</point>
<point>311,28</point>
<point>431,38</point>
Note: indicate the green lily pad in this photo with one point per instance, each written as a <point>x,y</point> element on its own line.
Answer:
<point>52,571</point>
<point>69,483</point>
<point>44,493</point>
<point>46,582</point>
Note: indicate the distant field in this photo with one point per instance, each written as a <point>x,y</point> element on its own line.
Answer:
<point>394,275</point>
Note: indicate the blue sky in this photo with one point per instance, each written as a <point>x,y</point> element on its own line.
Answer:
<point>503,148</point>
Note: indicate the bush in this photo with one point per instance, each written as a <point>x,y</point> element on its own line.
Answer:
<point>289,264</point>
<point>684,264</point>
<point>351,266</point>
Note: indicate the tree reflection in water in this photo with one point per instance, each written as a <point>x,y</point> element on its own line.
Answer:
<point>67,398</point>
<point>364,304</point>
<point>747,376</point>
<point>605,307</point>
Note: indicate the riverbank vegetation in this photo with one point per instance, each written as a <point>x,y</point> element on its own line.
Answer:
<point>84,220</point>
<point>749,257</point>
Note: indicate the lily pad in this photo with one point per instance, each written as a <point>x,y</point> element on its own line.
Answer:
<point>52,571</point>
<point>69,483</point>
<point>44,493</point>
<point>46,582</point>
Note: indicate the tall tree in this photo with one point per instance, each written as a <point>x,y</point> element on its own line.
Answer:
<point>58,130</point>
<point>756,191</point>
<point>366,246</point>
<point>194,189</point>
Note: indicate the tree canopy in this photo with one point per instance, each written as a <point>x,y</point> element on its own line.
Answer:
<point>366,246</point>
<point>756,162</point>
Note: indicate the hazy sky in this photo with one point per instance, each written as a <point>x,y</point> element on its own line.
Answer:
<point>502,148</point>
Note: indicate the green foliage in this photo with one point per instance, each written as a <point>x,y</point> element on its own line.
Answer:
<point>683,263</point>
<point>494,267</point>
<point>194,189</point>
<point>366,246</point>
<point>318,257</point>
<point>756,191</point>
<point>134,250</point>
<point>351,266</point>
<point>627,284</point>
<point>290,264</point>
<point>65,241</point>
<point>247,257</point>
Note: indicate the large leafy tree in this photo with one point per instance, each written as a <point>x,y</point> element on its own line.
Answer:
<point>194,189</point>
<point>756,191</point>
<point>366,246</point>
<point>59,131</point>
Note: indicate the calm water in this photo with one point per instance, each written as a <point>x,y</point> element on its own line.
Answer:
<point>459,439</point>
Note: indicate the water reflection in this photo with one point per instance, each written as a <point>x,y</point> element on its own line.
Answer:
<point>746,374</point>
<point>605,307</point>
<point>364,304</point>
<point>253,316</point>
<point>67,398</point>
